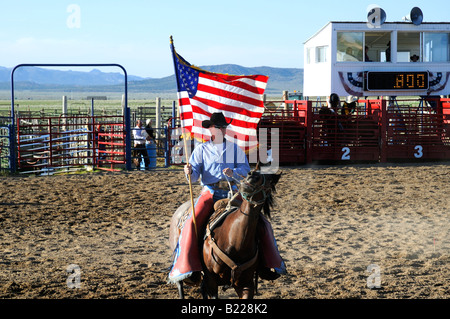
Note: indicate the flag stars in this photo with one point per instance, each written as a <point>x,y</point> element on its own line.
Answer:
<point>188,78</point>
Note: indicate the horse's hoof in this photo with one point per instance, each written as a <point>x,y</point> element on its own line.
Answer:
<point>267,274</point>
<point>194,280</point>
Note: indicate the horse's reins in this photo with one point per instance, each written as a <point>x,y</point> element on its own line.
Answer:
<point>255,190</point>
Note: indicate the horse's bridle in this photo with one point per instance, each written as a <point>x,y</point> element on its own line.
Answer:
<point>248,196</point>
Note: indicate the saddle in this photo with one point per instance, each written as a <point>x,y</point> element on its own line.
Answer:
<point>222,208</point>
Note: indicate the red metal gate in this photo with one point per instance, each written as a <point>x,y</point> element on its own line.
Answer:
<point>51,144</point>
<point>445,104</point>
<point>110,138</point>
<point>292,131</point>
<point>417,132</point>
<point>354,136</point>
<point>373,132</point>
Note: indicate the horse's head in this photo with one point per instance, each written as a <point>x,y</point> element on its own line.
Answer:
<point>257,188</point>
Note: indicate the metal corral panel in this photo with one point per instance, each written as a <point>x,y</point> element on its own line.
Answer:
<point>48,145</point>
<point>292,131</point>
<point>371,131</point>
<point>418,131</point>
<point>345,137</point>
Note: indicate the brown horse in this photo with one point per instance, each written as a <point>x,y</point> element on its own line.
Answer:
<point>230,251</point>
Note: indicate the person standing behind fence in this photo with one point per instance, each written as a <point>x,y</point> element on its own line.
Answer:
<point>150,144</point>
<point>149,129</point>
<point>139,137</point>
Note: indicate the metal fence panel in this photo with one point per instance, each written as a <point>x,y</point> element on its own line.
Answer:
<point>417,132</point>
<point>6,146</point>
<point>48,145</point>
<point>343,137</point>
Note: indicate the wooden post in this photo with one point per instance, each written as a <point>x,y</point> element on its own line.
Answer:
<point>64,105</point>
<point>64,112</point>
<point>123,104</point>
<point>285,98</point>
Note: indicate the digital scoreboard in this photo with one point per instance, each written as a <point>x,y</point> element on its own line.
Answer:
<point>395,81</point>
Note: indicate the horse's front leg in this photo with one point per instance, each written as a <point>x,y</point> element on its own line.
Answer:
<point>180,289</point>
<point>209,287</point>
<point>245,292</point>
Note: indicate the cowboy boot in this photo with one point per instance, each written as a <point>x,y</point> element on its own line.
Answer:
<point>267,274</point>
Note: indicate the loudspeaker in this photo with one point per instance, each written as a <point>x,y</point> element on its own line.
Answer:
<point>415,16</point>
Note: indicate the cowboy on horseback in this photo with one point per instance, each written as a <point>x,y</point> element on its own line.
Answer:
<point>219,164</point>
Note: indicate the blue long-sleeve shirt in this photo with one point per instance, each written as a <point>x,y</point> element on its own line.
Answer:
<point>208,160</point>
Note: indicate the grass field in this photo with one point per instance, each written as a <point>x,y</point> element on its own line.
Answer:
<point>101,107</point>
<point>48,103</point>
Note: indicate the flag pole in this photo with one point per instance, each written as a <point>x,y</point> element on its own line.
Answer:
<point>185,142</point>
<point>190,182</point>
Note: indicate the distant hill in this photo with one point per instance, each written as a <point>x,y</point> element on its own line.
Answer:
<point>50,76</point>
<point>280,79</point>
<point>34,78</point>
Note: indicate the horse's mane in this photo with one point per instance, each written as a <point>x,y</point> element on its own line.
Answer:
<point>267,206</point>
<point>270,201</point>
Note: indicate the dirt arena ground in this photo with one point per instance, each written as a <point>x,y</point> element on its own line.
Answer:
<point>332,223</point>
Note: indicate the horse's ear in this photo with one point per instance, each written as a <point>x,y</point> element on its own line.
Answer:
<point>257,166</point>
<point>276,178</point>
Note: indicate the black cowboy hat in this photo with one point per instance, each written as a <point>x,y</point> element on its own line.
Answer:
<point>217,119</point>
<point>334,100</point>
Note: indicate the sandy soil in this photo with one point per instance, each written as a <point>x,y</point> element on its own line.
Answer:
<point>331,223</point>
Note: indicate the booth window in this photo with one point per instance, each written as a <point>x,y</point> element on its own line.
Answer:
<point>408,46</point>
<point>377,45</point>
<point>308,55</point>
<point>350,46</point>
<point>321,54</point>
<point>436,47</point>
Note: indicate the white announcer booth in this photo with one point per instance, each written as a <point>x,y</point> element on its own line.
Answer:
<point>390,59</point>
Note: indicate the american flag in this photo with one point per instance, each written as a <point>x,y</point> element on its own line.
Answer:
<point>239,98</point>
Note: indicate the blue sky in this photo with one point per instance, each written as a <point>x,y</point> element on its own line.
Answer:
<point>136,33</point>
